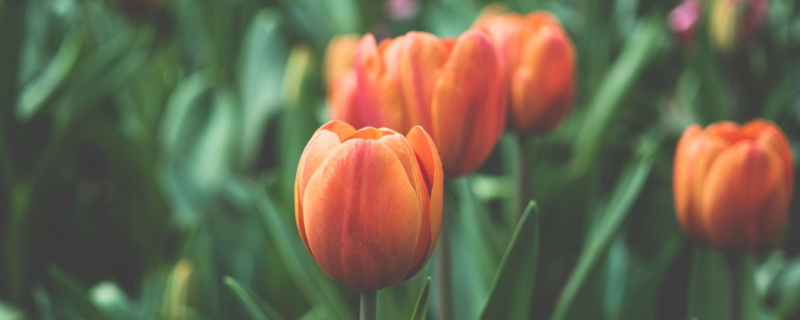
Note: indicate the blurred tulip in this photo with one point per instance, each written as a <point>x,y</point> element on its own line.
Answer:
<point>341,80</point>
<point>732,184</point>
<point>538,59</point>
<point>734,22</point>
<point>684,18</point>
<point>450,87</point>
<point>368,203</point>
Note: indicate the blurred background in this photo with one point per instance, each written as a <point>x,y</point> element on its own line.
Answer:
<point>148,151</point>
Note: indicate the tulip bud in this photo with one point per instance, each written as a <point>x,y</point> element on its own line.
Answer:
<point>538,60</point>
<point>341,80</point>
<point>684,18</point>
<point>368,203</point>
<point>733,184</point>
<point>734,22</point>
<point>450,87</point>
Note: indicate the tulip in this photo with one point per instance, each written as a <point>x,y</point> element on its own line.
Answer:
<point>733,184</point>
<point>368,203</point>
<point>734,22</point>
<point>341,80</point>
<point>450,87</point>
<point>684,18</point>
<point>538,60</point>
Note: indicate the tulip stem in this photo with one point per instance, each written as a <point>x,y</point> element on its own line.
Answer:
<point>444,282</point>
<point>734,285</point>
<point>369,301</point>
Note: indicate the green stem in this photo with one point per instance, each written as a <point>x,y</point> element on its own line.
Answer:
<point>444,281</point>
<point>734,286</point>
<point>368,305</point>
<point>522,182</point>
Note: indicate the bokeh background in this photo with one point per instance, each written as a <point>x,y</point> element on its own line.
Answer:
<point>148,150</point>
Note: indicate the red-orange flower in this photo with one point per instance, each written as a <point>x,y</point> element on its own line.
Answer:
<point>538,60</point>
<point>341,80</point>
<point>733,184</point>
<point>450,87</point>
<point>368,203</point>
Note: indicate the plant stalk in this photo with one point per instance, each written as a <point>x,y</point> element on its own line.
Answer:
<point>368,305</point>
<point>732,263</point>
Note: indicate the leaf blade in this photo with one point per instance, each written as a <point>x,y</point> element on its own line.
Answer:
<point>512,289</point>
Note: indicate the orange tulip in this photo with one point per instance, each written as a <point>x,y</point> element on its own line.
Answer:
<point>733,184</point>
<point>538,60</point>
<point>341,80</point>
<point>450,87</point>
<point>368,203</point>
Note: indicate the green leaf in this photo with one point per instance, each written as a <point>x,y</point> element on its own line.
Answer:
<point>512,290</point>
<point>260,72</point>
<point>637,53</point>
<point>625,194</point>
<point>310,279</point>
<point>751,302</point>
<point>421,308</point>
<point>316,313</point>
<point>257,307</point>
<point>103,71</point>
<point>9,312</point>
<point>645,282</point>
<point>177,123</point>
<point>211,160</point>
<point>72,290</point>
<point>39,90</point>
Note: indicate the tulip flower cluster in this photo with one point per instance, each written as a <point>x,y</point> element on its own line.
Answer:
<point>733,184</point>
<point>457,89</point>
<point>369,228</point>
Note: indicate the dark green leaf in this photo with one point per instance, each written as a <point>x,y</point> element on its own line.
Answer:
<point>637,53</point>
<point>625,194</point>
<point>512,290</point>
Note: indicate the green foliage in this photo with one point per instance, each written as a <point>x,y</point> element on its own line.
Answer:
<point>148,158</point>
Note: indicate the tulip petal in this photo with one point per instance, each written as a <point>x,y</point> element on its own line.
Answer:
<point>685,155</point>
<point>379,93</point>
<point>343,99</point>
<point>744,201</point>
<point>324,141</point>
<point>362,216</point>
<point>468,105</point>
<point>542,85</point>
<point>768,134</point>
<point>341,129</point>
<point>431,167</point>
<point>421,59</point>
